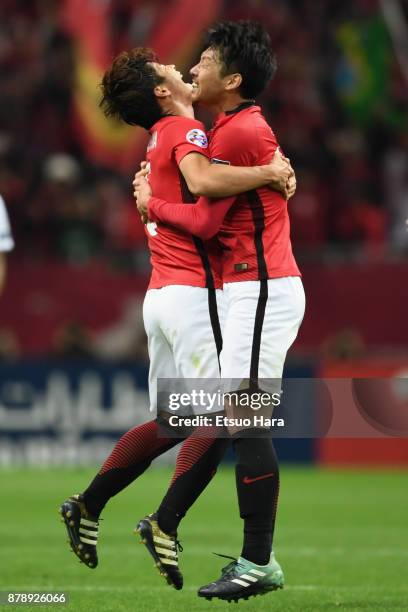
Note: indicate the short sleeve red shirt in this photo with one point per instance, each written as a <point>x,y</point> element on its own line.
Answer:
<point>178,258</point>
<point>255,234</point>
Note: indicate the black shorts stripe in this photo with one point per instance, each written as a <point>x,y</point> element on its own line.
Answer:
<point>215,322</point>
<point>188,198</point>
<point>258,218</point>
<point>256,340</point>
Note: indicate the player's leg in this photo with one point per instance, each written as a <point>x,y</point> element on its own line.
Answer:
<point>194,342</point>
<point>256,460</point>
<point>196,349</point>
<point>263,320</point>
<point>196,465</point>
<point>131,455</point>
<point>278,315</point>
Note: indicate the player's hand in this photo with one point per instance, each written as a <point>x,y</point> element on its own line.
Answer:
<point>281,172</point>
<point>143,195</point>
<point>142,173</point>
<point>290,187</point>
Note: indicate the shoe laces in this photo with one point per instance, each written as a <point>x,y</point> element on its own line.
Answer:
<point>171,536</point>
<point>230,569</point>
<point>84,511</point>
<point>176,543</point>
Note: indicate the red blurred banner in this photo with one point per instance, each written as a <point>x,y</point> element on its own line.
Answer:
<point>389,394</point>
<point>175,37</point>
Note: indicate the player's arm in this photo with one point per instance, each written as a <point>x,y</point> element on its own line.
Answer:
<point>222,180</point>
<point>203,219</point>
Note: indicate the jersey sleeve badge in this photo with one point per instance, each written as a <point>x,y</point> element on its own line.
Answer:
<point>197,137</point>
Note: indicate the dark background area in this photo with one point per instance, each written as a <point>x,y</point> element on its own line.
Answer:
<point>77,276</point>
<point>338,107</point>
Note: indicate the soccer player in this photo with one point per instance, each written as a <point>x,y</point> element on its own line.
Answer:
<point>180,309</point>
<point>263,294</point>
<point>6,242</point>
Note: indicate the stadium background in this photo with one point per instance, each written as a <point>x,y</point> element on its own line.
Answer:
<point>73,357</point>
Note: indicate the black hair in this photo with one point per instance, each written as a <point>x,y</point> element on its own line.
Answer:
<point>128,88</point>
<point>244,47</point>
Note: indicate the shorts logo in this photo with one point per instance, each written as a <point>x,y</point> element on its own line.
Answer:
<point>197,137</point>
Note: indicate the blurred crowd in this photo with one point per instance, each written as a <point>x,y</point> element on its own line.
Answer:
<point>338,107</point>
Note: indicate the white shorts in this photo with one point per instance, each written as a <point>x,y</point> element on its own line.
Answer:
<point>262,319</point>
<point>181,334</point>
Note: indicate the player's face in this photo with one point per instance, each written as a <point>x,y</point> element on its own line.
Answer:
<point>208,85</point>
<point>173,80</point>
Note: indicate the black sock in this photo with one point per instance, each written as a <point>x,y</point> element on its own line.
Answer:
<point>257,480</point>
<point>130,457</point>
<point>196,465</point>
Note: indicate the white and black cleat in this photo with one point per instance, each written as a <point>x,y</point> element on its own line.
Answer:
<point>82,530</point>
<point>163,548</point>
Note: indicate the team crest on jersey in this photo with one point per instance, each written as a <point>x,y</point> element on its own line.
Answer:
<point>197,137</point>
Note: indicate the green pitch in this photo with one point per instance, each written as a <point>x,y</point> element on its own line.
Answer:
<point>341,539</point>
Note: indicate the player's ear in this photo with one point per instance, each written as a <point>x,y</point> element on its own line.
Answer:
<point>161,91</point>
<point>233,81</point>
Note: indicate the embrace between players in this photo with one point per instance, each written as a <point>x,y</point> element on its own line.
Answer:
<point>225,297</point>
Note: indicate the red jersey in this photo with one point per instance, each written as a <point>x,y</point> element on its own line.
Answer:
<point>177,258</point>
<point>255,233</point>
<point>253,227</point>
